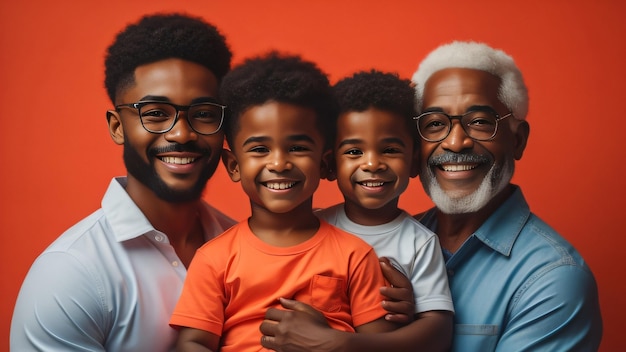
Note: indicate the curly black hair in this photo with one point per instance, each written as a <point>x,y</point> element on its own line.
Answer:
<point>380,90</point>
<point>282,78</point>
<point>163,36</point>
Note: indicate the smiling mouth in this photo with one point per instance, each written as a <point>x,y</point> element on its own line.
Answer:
<point>458,167</point>
<point>279,185</point>
<point>372,183</point>
<point>177,160</point>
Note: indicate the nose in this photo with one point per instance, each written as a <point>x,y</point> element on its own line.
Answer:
<point>278,162</point>
<point>457,140</point>
<point>372,163</point>
<point>181,132</point>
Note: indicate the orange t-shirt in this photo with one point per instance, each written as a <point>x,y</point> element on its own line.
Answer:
<point>234,278</point>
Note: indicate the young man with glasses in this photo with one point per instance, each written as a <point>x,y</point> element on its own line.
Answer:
<point>111,281</point>
<point>516,284</point>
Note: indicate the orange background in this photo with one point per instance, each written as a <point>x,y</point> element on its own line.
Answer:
<point>58,158</point>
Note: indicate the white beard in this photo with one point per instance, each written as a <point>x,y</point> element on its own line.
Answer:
<point>452,202</point>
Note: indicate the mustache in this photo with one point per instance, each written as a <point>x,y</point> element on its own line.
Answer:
<point>450,157</point>
<point>177,147</point>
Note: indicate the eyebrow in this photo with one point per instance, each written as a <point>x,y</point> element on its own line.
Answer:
<point>165,99</point>
<point>471,108</point>
<point>389,140</point>
<point>292,138</point>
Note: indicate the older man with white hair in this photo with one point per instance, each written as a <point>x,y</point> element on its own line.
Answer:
<point>517,285</point>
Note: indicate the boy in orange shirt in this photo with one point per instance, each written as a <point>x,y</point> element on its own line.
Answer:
<point>281,112</point>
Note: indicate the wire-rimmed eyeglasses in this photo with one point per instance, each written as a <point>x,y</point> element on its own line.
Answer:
<point>160,117</point>
<point>480,125</point>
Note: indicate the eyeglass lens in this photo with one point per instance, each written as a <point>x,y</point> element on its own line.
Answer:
<point>204,118</point>
<point>479,125</point>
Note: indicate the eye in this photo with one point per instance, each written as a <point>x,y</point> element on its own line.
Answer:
<point>299,148</point>
<point>259,149</point>
<point>157,112</point>
<point>433,122</point>
<point>480,120</point>
<point>392,150</point>
<point>353,152</point>
<point>205,113</point>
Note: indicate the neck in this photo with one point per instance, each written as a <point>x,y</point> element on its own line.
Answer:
<point>454,229</point>
<point>371,217</point>
<point>284,229</point>
<point>181,222</point>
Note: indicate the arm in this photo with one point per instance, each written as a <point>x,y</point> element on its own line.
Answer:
<point>558,311</point>
<point>302,328</point>
<point>60,307</point>
<point>195,340</point>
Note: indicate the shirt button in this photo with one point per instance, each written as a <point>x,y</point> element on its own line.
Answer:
<point>159,238</point>
<point>175,263</point>
<point>450,272</point>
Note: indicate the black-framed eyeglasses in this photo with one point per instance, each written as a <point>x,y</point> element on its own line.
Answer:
<point>479,125</point>
<point>160,117</point>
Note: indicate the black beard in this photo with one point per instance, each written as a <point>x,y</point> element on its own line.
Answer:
<point>147,175</point>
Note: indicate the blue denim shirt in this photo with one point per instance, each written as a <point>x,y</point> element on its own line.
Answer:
<point>517,285</point>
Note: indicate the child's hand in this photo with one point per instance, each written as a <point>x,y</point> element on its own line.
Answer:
<point>399,300</point>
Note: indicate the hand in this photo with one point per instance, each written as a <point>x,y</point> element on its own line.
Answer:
<point>399,301</point>
<point>300,328</point>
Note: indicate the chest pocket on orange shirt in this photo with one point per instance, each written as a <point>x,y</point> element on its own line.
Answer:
<point>327,293</point>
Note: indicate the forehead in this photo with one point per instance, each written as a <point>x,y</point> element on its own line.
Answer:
<point>372,122</point>
<point>277,121</point>
<point>177,80</point>
<point>461,88</point>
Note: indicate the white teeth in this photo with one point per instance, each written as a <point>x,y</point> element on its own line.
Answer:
<point>280,185</point>
<point>457,167</point>
<point>177,160</point>
<point>372,184</point>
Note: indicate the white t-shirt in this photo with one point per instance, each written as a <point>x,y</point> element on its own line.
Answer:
<point>411,247</point>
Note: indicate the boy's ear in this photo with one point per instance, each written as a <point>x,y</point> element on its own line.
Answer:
<point>230,162</point>
<point>115,127</point>
<point>327,170</point>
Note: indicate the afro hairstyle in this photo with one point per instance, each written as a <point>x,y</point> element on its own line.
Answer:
<point>380,90</point>
<point>280,78</point>
<point>160,37</point>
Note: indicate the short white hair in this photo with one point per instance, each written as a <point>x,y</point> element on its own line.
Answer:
<point>478,56</point>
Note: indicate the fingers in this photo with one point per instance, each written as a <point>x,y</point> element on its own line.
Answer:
<point>399,312</point>
<point>274,314</point>
<point>268,342</point>
<point>268,327</point>
<point>393,275</point>
<point>397,294</point>
<point>297,306</point>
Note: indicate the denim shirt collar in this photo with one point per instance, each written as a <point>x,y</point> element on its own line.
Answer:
<point>500,230</point>
<point>503,227</point>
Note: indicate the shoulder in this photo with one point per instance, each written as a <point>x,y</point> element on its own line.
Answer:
<point>214,220</point>
<point>330,214</point>
<point>344,240</point>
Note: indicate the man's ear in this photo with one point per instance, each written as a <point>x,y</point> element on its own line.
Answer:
<point>521,139</point>
<point>115,127</point>
<point>327,169</point>
<point>230,163</point>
